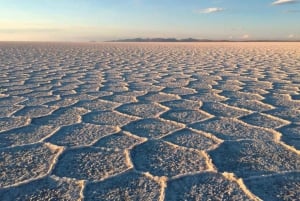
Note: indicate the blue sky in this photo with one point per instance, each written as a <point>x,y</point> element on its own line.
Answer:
<point>84,20</point>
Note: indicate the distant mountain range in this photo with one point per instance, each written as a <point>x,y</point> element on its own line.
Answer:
<point>165,40</point>
<point>192,40</point>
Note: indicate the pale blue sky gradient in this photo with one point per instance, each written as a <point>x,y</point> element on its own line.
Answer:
<point>84,20</point>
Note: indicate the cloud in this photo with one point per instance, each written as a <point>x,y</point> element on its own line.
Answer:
<point>280,2</point>
<point>245,36</point>
<point>211,10</point>
<point>29,30</point>
<point>291,36</point>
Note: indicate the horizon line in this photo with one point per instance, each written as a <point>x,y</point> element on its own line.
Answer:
<point>120,41</point>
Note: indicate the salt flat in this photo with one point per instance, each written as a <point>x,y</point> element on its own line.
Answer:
<point>159,121</point>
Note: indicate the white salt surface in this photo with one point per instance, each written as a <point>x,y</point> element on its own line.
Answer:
<point>160,121</point>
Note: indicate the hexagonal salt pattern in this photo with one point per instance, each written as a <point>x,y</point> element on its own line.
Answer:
<point>8,123</point>
<point>143,110</point>
<point>108,121</point>
<point>61,117</point>
<point>191,139</point>
<point>107,118</point>
<point>278,187</point>
<point>118,141</point>
<point>44,189</point>
<point>233,129</point>
<point>186,116</point>
<point>151,128</point>
<point>263,120</point>
<point>205,186</point>
<point>162,159</point>
<point>254,158</point>
<point>223,110</point>
<point>291,135</point>
<point>130,186</point>
<point>25,163</point>
<point>90,164</point>
<point>25,135</point>
<point>80,134</point>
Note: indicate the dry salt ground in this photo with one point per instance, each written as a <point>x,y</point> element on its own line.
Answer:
<point>161,121</point>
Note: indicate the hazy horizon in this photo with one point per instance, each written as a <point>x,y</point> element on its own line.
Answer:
<point>104,20</point>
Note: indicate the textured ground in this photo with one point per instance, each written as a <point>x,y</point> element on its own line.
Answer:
<point>211,121</point>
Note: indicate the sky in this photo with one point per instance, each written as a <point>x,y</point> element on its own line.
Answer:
<point>101,20</point>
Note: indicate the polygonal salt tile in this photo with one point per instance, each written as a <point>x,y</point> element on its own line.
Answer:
<point>263,120</point>
<point>254,105</point>
<point>290,114</point>
<point>144,110</point>
<point>35,111</point>
<point>80,96</point>
<point>98,94</point>
<point>254,90</point>
<point>20,164</point>
<point>254,158</point>
<point>162,159</point>
<point>220,109</point>
<point>11,100</point>
<point>173,83</point>
<point>204,186</point>
<point>25,135</point>
<point>183,104</point>
<point>258,84</point>
<point>80,134</point>
<point>6,111</point>
<point>228,87</point>
<point>186,116</point>
<point>66,87</point>
<point>43,87</point>
<point>151,128</point>
<point>276,188</point>
<point>108,118</point>
<point>118,141</point>
<point>180,91</point>
<point>241,95</point>
<point>120,98</point>
<point>190,139</point>
<point>44,189</point>
<point>90,164</point>
<point>62,103</point>
<point>232,129</point>
<point>281,100</point>
<point>61,117</point>
<point>201,85</point>
<point>39,100</point>
<point>207,96</point>
<point>36,94</point>
<point>128,186</point>
<point>114,88</point>
<point>158,97</point>
<point>63,93</point>
<point>87,88</point>
<point>291,135</point>
<point>96,105</point>
<point>132,93</point>
<point>7,123</point>
<point>139,86</point>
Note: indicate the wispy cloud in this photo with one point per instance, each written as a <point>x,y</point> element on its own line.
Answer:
<point>245,36</point>
<point>210,10</point>
<point>29,30</point>
<point>280,2</point>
